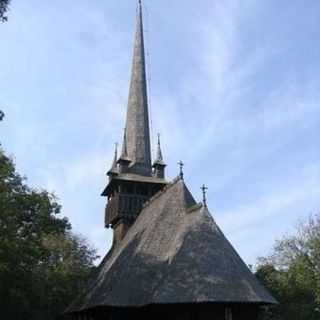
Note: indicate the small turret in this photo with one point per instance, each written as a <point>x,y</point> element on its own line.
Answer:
<point>159,165</point>
<point>114,168</point>
<point>124,160</point>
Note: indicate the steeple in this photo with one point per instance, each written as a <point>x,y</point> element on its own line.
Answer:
<point>159,157</point>
<point>133,180</point>
<point>124,160</point>
<point>114,168</point>
<point>158,164</point>
<point>137,123</point>
<point>124,153</point>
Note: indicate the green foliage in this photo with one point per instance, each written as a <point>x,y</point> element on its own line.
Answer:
<point>292,273</point>
<point>4,4</point>
<point>43,266</point>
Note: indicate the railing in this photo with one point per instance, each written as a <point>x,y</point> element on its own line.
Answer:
<point>123,206</point>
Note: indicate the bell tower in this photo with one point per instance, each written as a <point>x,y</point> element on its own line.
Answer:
<point>132,178</point>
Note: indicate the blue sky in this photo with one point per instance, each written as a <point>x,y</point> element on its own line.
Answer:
<point>234,92</point>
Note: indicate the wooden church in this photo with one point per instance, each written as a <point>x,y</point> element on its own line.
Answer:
<point>169,259</point>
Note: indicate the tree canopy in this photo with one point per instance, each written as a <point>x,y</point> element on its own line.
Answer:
<point>4,4</point>
<point>292,273</point>
<point>43,265</point>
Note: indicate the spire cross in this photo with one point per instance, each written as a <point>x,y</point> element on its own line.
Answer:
<point>181,165</point>
<point>204,189</point>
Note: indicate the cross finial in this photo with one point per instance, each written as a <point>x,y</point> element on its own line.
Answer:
<point>204,189</point>
<point>181,165</point>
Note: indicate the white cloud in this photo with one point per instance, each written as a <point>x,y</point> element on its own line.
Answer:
<point>281,200</point>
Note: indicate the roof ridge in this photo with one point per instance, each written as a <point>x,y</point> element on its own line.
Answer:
<point>160,192</point>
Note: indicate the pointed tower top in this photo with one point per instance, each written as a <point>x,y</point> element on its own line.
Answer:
<point>159,157</point>
<point>159,165</point>
<point>159,153</point>
<point>124,152</point>
<point>114,167</point>
<point>137,138</point>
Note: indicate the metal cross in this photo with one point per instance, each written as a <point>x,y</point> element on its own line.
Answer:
<point>204,192</point>
<point>181,165</point>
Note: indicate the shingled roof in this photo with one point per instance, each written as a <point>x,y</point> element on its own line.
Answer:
<point>174,253</point>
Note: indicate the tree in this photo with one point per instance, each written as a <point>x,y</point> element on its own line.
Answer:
<point>64,272</point>
<point>292,273</point>
<point>43,265</point>
<point>4,5</point>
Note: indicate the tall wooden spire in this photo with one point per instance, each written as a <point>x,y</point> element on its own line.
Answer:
<point>134,181</point>
<point>137,123</point>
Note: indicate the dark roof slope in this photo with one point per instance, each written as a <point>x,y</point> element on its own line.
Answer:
<point>174,253</point>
